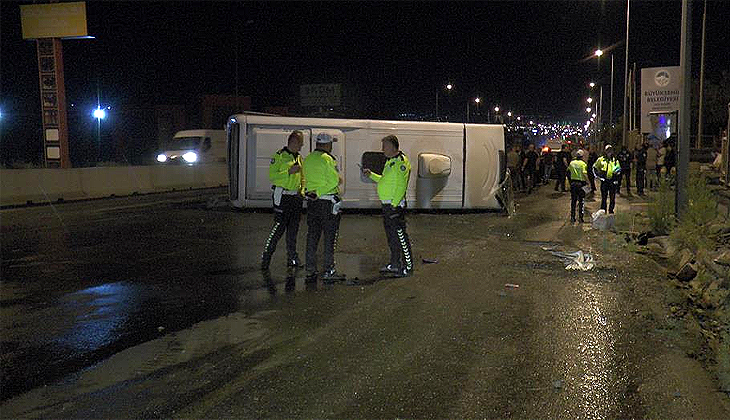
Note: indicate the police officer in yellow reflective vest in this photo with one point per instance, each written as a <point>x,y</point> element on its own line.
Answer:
<point>392,187</point>
<point>608,170</point>
<point>578,171</point>
<point>285,173</point>
<point>322,180</point>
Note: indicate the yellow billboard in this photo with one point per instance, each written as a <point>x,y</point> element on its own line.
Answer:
<point>57,20</point>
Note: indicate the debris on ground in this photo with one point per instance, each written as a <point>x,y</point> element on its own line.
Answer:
<point>603,221</point>
<point>512,285</point>
<point>429,261</point>
<point>576,260</point>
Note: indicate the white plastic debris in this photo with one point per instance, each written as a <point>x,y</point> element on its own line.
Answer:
<point>602,221</point>
<point>576,260</point>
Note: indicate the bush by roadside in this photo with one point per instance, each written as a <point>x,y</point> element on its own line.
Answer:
<point>695,251</point>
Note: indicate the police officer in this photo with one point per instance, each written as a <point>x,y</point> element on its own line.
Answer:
<point>392,187</point>
<point>578,170</point>
<point>321,183</point>
<point>608,170</point>
<point>285,173</point>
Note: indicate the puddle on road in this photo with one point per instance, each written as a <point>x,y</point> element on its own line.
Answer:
<point>95,323</point>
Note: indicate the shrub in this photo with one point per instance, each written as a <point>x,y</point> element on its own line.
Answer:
<point>661,210</point>
<point>694,231</point>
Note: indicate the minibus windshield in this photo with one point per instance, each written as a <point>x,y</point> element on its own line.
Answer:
<point>184,143</point>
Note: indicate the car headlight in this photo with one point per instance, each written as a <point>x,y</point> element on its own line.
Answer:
<point>161,158</point>
<point>190,157</point>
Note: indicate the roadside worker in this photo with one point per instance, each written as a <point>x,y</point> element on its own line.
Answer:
<point>285,173</point>
<point>321,183</point>
<point>529,167</point>
<point>624,159</point>
<point>640,167</point>
<point>392,187</point>
<point>578,170</point>
<point>561,166</point>
<point>608,170</point>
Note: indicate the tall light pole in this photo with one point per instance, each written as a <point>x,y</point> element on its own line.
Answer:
<point>448,87</point>
<point>477,100</point>
<point>598,53</point>
<point>698,143</point>
<point>685,59</point>
<point>624,123</point>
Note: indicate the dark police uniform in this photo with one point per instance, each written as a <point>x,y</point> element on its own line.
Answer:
<point>287,201</point>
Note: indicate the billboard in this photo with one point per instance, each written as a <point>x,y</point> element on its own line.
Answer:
<point>321,94</point>
<point>660,92</point>
<point>56,20</point>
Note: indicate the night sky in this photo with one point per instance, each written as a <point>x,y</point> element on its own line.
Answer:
<point>525,56</point>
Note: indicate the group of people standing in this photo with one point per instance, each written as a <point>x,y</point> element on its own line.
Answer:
<point>317,180</point>
<point>649,164</point>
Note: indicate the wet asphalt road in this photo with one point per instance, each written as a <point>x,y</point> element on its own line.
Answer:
<point>153,307</point>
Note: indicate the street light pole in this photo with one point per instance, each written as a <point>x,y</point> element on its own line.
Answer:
<point>624,124</point>
<point>685,59</point>
<point>610,117</point>
<point>698,143</point>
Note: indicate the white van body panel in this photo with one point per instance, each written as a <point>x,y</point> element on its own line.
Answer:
<point>257,138</point>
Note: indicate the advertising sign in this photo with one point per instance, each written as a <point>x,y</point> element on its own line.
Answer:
<point>56,20</point>
<point>321,94</point>
<point>660,92</point>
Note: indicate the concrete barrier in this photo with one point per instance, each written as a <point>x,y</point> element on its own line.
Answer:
<point>22,186</point>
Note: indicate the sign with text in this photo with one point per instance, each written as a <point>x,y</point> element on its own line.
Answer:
<point>321,94</point>
<point>660,92</point>
<point>56,20</point>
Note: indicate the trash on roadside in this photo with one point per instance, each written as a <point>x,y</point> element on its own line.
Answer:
<point>576,260</point>
<point>429,261</point>
<point>557,384</point>
<point>602,221</point>
<point>160,329</point>
<point>512,286</point>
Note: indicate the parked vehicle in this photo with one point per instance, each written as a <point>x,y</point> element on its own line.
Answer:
<point>192,147</point>
<point>454,165</point>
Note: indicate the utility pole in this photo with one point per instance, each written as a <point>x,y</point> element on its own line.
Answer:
<point>624,124</point>
<point>685,54</point>
<point>610,117</point>
<point>698,143</point>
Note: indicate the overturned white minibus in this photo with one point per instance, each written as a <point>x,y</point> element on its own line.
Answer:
<point>454,166</point>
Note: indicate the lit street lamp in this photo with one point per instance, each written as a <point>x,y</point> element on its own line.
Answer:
<point>589,100</point>
<point>588,110</point>
<point>591,84</point>
<point>477,100</point>
<point>448,87</point>
<point>99,114</point>
<point>598,54</point>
